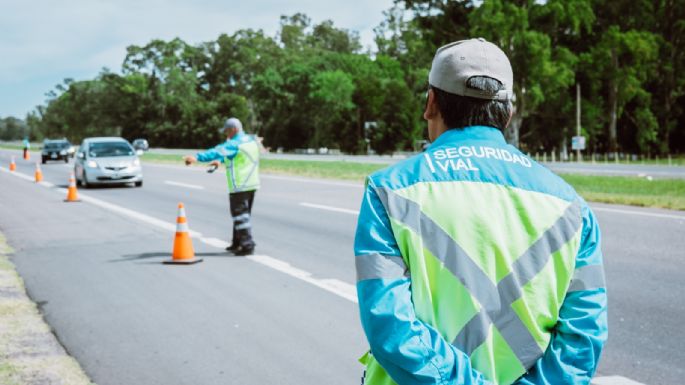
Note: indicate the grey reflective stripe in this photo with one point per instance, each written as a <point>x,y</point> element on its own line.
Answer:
<point>442,246</point>
<point>243,226</point>
<point>588,277</point>
<point>527,266</point>
<point>242,217</point>
<point>495,300</point>
<point>474,333</point>
<point>231,172</point>
<point>375,266</point>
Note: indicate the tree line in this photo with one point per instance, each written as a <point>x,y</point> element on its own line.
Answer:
<point>313,85</point>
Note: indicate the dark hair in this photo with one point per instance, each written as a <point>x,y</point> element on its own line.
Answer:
<point>462,111</point>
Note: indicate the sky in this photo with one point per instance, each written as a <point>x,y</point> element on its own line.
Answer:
<point>42,42</point>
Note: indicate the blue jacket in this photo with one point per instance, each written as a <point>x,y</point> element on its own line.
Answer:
<point>227,149</point>
<point>399,339</point>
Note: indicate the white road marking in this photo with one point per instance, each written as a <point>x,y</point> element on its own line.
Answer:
<point>186,185</point>
<point>316,181</point>
<point>215,242</point>
<point>18,174</point>
<point>335,286</point>
<point>633,212</point>
<point>614,380</point>
<point>329,208</point>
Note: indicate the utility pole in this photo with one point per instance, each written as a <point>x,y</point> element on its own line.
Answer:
<point>578,119</point>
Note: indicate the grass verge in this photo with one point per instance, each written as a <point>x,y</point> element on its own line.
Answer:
<point>29,352</point>
<point>6,146</point>
<point>661,193</point>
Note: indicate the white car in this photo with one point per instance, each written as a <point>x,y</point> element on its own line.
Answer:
<point>107,160</point>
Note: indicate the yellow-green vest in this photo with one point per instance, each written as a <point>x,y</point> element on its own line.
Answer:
<point>242,172</point>
<point>490,266</point>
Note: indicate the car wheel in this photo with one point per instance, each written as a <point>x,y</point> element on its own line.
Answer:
<point>139,184</point>
<point>66,159</point>
<point>42,160</point>
<point>84,182</point>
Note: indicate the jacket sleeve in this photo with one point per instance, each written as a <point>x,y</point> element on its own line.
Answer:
<point>224,150</point>
<point>581,330</point>
<point>409,350</point>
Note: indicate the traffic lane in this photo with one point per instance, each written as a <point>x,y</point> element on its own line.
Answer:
<point>302,236</point>
<point>280,222</point>
<point>644,263</point>
<point>129,319</point>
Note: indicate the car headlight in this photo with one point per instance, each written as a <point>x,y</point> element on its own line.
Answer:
<point>91,164</point>
<point>63,152</point>
<point>136,162</point>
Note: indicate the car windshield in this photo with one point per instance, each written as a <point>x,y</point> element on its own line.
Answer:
<point>107,149</point>
<point>56,145</point>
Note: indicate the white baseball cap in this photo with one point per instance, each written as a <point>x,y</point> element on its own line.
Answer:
<point>455,63</point>
<point>233,123</point>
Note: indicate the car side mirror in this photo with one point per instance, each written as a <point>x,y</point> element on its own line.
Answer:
<point>81,155</point>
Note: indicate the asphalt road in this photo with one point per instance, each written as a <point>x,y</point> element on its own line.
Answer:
<point>287,315</point>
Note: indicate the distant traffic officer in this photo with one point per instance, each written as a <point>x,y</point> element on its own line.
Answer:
<point>240,154</point>
<point>475,264</point>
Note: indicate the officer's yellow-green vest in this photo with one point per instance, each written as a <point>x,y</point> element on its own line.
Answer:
<point>242,172</point>
<point>490,266</point>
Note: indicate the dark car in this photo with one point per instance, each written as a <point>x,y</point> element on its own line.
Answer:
<point>141,144</point>
<point>58,149</point>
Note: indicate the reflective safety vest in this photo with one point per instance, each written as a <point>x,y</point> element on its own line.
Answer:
<point>242,171</point>
<point>490,263</point>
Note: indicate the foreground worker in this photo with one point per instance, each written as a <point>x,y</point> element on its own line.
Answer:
<point>240,154</point>
<point>475,264</point>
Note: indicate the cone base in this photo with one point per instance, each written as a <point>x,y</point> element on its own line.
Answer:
<point>72,200</point>
<point>182,261</point>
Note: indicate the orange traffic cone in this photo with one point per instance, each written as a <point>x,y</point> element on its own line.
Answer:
<point>13,166</point>
<point>38,174</point>
<point>72,194</point>
<point>183,246</point>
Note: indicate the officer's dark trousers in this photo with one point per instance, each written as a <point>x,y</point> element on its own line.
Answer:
<point>241,211</point>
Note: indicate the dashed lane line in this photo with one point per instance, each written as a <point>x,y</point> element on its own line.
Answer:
<point>186,185</point>
<point>633,212</point>
<point>329,208</point>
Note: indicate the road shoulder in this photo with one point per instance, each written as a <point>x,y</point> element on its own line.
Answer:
<point>29,352</point>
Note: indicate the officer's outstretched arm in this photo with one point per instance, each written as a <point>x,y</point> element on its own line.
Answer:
<point>581,330</point>
<point>220,152</point>
<point>409,350</point>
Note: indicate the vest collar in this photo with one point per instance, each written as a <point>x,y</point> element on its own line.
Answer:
<point>469,133</point>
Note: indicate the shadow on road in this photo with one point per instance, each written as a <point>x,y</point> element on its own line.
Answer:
<point>144,256</point>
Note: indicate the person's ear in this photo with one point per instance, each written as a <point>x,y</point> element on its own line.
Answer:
<point>431,111</point>
<point>511,115</point>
